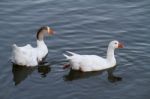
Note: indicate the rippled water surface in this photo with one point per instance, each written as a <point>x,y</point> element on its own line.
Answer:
<point>82,26</point>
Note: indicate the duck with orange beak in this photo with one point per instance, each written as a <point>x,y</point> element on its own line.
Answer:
<point>88,63</point>
<point>32,56</point>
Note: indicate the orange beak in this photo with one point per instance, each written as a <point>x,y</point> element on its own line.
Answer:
<point>50,31</point>
<point>120,45</point>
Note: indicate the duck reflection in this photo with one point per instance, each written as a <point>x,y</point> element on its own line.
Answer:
<point>74,75</point>
<point>44,70</point>
<point>20,73</point>
<point>111,77</point>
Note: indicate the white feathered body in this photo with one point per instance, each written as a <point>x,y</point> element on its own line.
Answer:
<point>88,63</point>
<point>28,55</point>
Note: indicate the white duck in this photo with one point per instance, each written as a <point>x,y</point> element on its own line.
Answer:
<point>87,63</point>
<point>31,56</point>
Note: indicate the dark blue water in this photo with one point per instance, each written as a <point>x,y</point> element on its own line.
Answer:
<point>82,26</point>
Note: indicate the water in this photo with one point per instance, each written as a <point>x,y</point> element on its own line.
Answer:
<point>82,26</point>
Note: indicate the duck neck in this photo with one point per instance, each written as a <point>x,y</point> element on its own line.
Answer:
<point>41,44</point>
<point>40,34</point>
<point>40,37</point>
<point>110,55</point>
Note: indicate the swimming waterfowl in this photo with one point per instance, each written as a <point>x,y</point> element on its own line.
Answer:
<point>31,56</point>
<point>87,63</point>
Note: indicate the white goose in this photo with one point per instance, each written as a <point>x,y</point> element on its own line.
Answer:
<point>87,63</point>
<point>31,56</point>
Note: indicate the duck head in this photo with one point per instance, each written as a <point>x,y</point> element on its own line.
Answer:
<point>110,52</point>
<point>116,44</point>
<point>41,32</point>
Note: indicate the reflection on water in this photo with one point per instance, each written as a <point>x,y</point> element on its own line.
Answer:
<point>111,77</point>
<point>44,70</point>
<point>20,73</point>
<point>74,75</point>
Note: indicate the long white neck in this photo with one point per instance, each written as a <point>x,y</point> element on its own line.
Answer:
<point>41,44</point>
<point>110,55</point>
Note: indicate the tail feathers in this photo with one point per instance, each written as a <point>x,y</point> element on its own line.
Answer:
<point>71,53</point>
<point>14,45</point>
<point>68,57</point>
<point>15,48</point>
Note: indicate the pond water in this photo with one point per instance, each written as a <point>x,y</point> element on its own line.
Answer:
<point>84,27</point>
